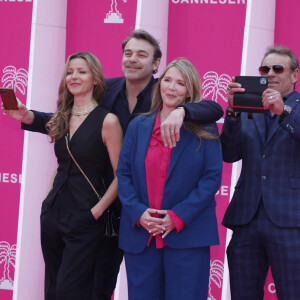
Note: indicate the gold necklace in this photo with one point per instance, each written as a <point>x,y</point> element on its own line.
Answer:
<point>83,110</point>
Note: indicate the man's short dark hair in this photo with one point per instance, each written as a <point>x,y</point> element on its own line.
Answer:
<point>140,34</point>
<point>294,63</point>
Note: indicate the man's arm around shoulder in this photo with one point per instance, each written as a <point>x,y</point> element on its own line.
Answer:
<point>205,111</point>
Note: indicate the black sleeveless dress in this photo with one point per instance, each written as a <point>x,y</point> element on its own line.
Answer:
<point>70,235</point>
<point>90,153</point>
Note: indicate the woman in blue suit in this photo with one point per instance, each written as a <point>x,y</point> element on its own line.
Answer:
<point>168,220</point>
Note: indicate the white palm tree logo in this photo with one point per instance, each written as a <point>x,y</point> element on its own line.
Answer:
<point>114,16</point>
<point>215,85</point>
<point>216,276</point>
<point>7,263</point>
<point>15,79</point>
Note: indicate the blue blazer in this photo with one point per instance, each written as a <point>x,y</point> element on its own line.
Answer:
<point>270,167</point>
<point>194,177</point>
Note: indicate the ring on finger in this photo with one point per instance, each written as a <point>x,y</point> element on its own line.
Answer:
<point>271,97</point>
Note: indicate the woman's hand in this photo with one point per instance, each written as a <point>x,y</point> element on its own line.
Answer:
<point>167,221</point>
<point>96,211</point>
<point>170,127</point>
<point>153,225</point>
<point>22,114</point>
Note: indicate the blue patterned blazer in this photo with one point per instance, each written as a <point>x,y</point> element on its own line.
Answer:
<point>270,167</point>
<point>194,177</point>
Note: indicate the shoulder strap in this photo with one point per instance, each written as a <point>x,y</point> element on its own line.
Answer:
<point>67,144</point>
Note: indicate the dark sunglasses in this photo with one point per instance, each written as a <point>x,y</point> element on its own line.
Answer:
<point>264,70</point>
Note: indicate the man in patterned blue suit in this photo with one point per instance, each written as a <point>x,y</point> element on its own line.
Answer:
<point>264,212</point>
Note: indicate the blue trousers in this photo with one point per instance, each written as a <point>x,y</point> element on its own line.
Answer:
<point>257,246</point>
<point>168,274</point>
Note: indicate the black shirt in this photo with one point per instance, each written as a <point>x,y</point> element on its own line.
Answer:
<point>121,108</point>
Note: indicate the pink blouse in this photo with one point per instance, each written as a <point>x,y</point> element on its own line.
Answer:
<point>156,165</point>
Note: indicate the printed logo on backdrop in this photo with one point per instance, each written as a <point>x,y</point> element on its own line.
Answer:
<point>7,265</point>
<point>10,178</point>
<point>15,79</point>
<point>114,16</point>
<point>214,87</point>
<point>216,276</point>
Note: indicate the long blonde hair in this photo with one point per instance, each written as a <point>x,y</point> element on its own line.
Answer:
<point>58,125</point>
<point>194,86</point>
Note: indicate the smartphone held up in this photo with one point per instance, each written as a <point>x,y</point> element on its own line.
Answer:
<point>251,100</point>
<point>8,98</point>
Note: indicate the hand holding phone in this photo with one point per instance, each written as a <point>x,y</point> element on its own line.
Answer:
<point>14,108</point>
<point>251,99</point>
<point>9,99</point>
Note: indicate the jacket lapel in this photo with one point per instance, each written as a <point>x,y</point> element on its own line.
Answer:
<point>144,134</point>
<point>259,120</point>
<point>185,136</point>
<point>273,130</point>
<point>113,89</point>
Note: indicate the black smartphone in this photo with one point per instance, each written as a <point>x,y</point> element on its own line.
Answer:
<point>9,98</point>
<point>251,99</point>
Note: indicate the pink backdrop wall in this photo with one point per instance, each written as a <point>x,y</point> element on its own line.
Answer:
<point>203,31</point>
<point>15,40</point>
<point>287,25</point>
<point>92,26</point>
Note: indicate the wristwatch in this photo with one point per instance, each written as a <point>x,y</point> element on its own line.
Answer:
<point>185,111</point>
<point>232,114</point>
<point>286,111</point>
<point>181,107</point>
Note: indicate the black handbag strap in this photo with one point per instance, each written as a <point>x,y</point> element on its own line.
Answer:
<point>67,144</point>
